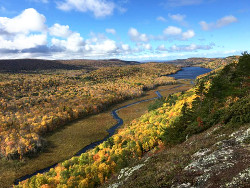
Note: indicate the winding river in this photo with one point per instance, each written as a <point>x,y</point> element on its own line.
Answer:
<point>184,73</point>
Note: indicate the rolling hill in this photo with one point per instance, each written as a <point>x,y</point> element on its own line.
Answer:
<point>19,65</point>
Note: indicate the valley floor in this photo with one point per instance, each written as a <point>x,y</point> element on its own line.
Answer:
<point>67,141</point>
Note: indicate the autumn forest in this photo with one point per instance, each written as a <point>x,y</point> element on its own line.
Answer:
<point>35,103</point>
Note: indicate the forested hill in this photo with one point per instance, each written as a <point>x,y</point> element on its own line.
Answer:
<point>212,63</point>
<point>18,65</point>
<point>206,135</point>
<point>156,149</point>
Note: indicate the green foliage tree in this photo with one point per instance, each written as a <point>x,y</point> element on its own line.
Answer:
<point>156,104</point>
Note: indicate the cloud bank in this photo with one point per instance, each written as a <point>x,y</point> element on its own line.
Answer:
<point>36,39</point>
<point>16,36</point>
<point>185,48</point>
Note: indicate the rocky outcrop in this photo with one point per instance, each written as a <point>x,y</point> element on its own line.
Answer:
<point>225,164</point>
<point>217,158</point>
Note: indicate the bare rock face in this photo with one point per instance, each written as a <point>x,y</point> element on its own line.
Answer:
<point>225,164</point>
<point>212,159</point>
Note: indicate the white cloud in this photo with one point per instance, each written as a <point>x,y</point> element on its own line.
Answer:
<point>161,48</point>
<point>180,18</point>
<point>188,34</point>
<point>225,21</point>
<point>28,21</point>
<point>121,9</point>
<point>178,3</point>
<point>98,46</point>
<point>125,47</point>
<point>147,56</point>
<point>32,38</point>
<point>205,26</point>
<point>21,41</point>
<point>219,23</point>
<point>172,30</point>
<point>136,36</point>
<point>40,1</point>
<point>119,6</point>
<point>26,35</point>
<point>105,46</point>
<point>17,33</point>
<point>141,47</point>
<point>185,48</point>
<point>101,46</point>
<point>191,47</point>
<point>100,8</point>
<point>74,43</point>
<point>147,46</point>
<point>176,32</point>
<point>60,30</point>
<point>170,33</point>
<point>111,31</point>
<point>177,17</point>
<point>160,18</point>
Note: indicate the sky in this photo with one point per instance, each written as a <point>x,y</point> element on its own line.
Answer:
<point>125,29</point>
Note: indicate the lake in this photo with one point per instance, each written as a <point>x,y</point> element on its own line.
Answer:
<point>190,72</point>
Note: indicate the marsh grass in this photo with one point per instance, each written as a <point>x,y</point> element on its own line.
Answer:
<point>62,144</point>
<point>135,111</point>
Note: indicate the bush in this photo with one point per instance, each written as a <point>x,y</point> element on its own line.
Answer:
<point>157,104</point>
<point>238,113</point>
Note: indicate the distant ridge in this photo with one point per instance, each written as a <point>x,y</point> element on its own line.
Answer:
<point>32,64</point>
<point>17,65</point>
<point>199,60</point>
<point>212,63</point>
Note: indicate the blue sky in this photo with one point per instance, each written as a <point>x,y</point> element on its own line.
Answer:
<point>125,29</point>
